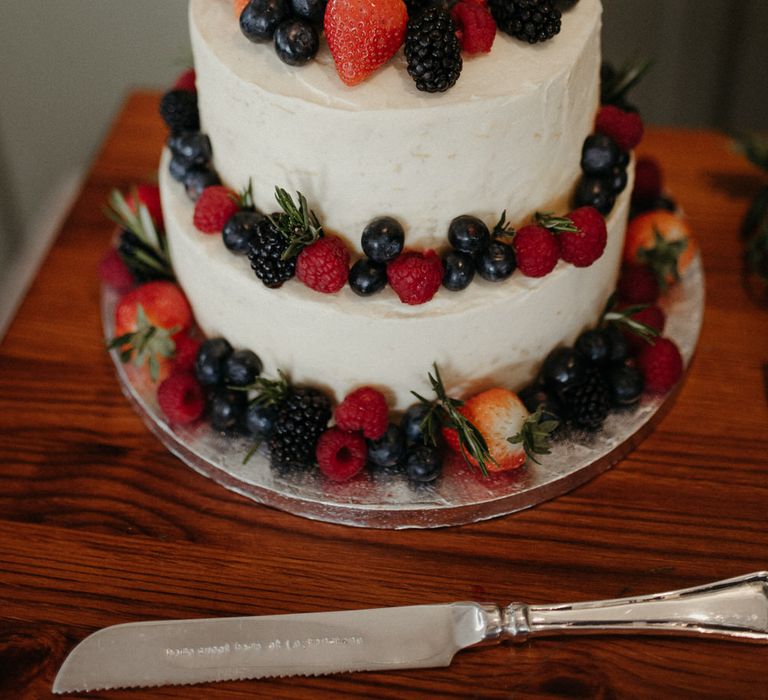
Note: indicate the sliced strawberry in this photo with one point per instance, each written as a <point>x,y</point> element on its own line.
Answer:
<point>363,35</point>
<point>498,414</point>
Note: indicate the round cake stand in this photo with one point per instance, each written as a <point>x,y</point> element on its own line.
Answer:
<point>387,499</point>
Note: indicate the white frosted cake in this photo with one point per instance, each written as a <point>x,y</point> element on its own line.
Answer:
<point>507,137</point>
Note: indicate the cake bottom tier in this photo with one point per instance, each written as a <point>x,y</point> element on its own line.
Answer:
<point>491,334</point>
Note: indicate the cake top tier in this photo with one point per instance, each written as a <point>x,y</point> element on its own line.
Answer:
<point>512,67</point>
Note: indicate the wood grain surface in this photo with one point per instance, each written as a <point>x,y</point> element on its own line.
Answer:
<point>100,525</point>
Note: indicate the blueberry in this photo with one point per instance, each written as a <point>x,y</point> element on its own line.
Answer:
<point>210,361</point>
<point>623,159</point>
<point>594,346</point>
<point>625,384</point>
<point>617,180</point>
<point>599,154</point>
<point>226,409</point>
<point>242,367</point>
<point>423,464</point>
<point>617,343</point>
<point>367,277</point>
<point>296,42</point>
<point>240,229</point>
<point>199,177</point>
<point>310,10</point>
<point>411,423</point>
<point>192,146</point>
<point>260,18</point>
<point>594,192</point>
<point>468,234</point>
<point>383,239</point>
<point>179,167</point>
<point>535,396</point>
<point>459,270</point>
<point>389,449</point>
<point>562,369</point>
<point>496,262</point>
<point>259,420</point>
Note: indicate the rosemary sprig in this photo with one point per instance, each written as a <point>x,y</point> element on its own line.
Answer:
<point>142,247</point>
<point>503,228</point>
<point>444,412</point>
<point>535,434</point>
<point>623,320</point>
<point>555,224</point>
<point>616,84</point>
<point>298,223</point>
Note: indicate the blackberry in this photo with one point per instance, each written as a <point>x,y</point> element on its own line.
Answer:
<point>527,20</point>
<point>432,50</point>
<point>588,403</point>
<point>301,419</point>
<point>178,108</point>
<point>266,251</point>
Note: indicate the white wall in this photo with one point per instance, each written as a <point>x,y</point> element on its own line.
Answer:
<point>66,64</point>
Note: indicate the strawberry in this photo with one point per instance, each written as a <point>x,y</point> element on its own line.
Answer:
<point>661,365</point>
<point>363,35</point>
<point>662,241</point>
<point>498,414</point>
<point>625,128</point>
<point>585,245</point>
<point>475,26</point>
<point>146,320</point>
<point>536,250</point>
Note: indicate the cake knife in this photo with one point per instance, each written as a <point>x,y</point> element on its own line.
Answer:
<point>181,652</point>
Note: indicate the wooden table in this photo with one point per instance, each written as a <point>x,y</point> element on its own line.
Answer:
<point>100,525</point>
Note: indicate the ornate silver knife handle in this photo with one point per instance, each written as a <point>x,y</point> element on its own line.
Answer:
<point>733,608</point>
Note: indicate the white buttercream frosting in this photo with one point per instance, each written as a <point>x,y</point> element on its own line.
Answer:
<point>507,136</point>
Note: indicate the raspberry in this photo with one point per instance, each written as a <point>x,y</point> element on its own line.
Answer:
<point>648,182</point>
<point>181,398</point>
<point>638,285</point>
<point>340,455</point>
<point>537,251</point>
<point>651,316</point>
<point>475,26</point>
<point>661,365</point>
<point>114,272</point>
<point>364,409</point>
<point>324,265</point>
<point>583,247</point>
<point>186,81</point>
<point>186,352</point>
<point>415,277</point>
<point>214,208</point>
<point>625,128</point>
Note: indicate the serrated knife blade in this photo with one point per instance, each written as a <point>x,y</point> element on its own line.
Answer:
<point>182,652</point>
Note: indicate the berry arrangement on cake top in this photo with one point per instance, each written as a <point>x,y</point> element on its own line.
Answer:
<point>364,35</point>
